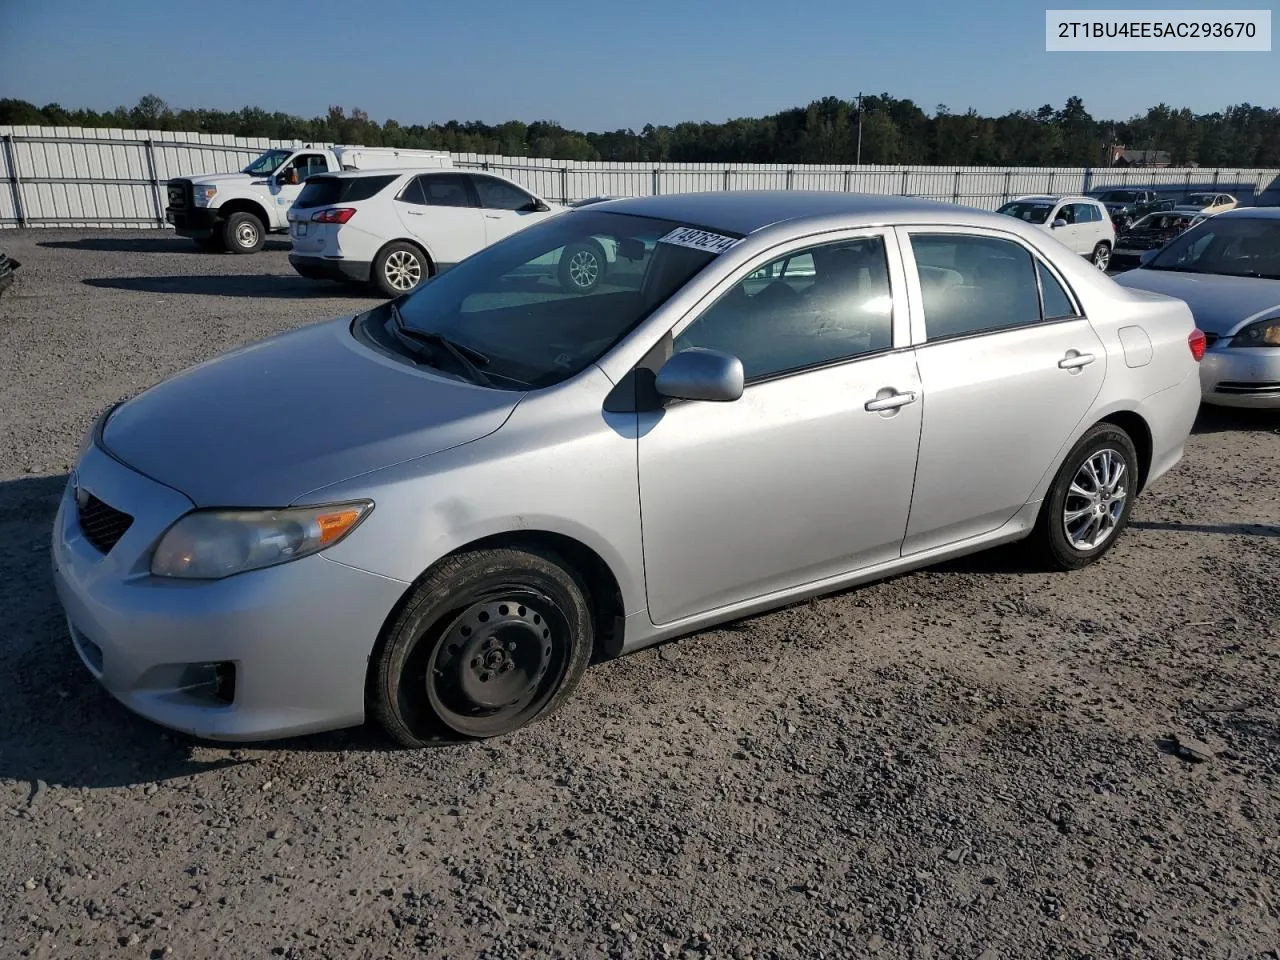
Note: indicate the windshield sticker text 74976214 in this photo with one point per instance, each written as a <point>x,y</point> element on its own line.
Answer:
<point>699,239</point>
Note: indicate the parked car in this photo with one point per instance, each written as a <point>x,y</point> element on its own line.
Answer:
<point>396,229</point>
<point>1227,268</point>
<point>1149,233</point>
<point>1127,206</point>
<point>1080,223</point>
<point>1206,203</point>
<point>8,270</point>
<point>434,512</point>
<point>236,211</point>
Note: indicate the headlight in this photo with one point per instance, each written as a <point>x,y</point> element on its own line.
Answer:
<point>203,193</point>
<point>1264,333</point>
<point>211,544</point>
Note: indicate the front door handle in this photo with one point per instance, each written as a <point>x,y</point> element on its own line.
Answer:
<point>891,402</point>
<point>1074,360</point>
<point>415,213</point>
<point>493,216</point>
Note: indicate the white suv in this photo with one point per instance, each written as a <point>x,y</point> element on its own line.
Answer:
<point>395,229</point>
<point>1081,223</point>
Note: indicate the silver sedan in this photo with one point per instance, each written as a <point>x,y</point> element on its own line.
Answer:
<point>437,512</point>
<point>1227,268</point>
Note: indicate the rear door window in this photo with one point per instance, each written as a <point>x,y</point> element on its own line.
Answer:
<point>322,191</point>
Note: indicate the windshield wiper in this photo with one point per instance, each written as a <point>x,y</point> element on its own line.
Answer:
<point>467,357</point>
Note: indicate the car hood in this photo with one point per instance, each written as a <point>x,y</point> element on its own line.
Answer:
<point>222,178</point>
<point>263,425</point>
<point>1219,304</point>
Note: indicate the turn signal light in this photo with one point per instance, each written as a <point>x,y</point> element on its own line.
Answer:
<point>1196,341</point>
<point>333,215</point>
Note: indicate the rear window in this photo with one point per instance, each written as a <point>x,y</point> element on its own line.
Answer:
<point>322,191</point>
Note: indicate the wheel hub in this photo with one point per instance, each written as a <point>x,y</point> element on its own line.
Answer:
<point>496,654</point>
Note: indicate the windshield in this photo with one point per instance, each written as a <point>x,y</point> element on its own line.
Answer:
<point>1029,211</point>
<point>542,304</point>
<point>1162,221</point>
<point>1237,246</point>
<point>1119,196</point>
<point>268,163</point>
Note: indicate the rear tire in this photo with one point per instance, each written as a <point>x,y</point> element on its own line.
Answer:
<point>490,641</point>
<point>1090,500</point>
<point>582,266</point>
<point>399,268</point>
<point>243,233</point>
<point>1101,257</point>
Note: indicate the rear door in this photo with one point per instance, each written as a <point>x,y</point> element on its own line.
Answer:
<point>1008,367</point>
<point>440,211</point>
<point>507,208</point>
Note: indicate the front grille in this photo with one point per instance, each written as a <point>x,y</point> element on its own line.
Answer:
<point>101,524</point>
<point>1245,387</point>
<point>180,194</point>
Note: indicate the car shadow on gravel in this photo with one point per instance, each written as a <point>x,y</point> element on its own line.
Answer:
<point>1213,419</point>
<point>162,244</point>
<point>232,285</point>
<point>58,726</point>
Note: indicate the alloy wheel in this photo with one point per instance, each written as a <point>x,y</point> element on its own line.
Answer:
<point>1095,500</point>
<point>402,270</point>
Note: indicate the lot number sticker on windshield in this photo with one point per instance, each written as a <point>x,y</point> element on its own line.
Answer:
<point>699,240</point>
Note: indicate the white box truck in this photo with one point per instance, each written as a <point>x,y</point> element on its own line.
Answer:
<point>236,211</point>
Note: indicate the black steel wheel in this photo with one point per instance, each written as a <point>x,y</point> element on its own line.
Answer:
<point>489,641</point>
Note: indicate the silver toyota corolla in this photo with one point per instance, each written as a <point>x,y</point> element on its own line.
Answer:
<point>1227,268</point>
<point>435,513</point>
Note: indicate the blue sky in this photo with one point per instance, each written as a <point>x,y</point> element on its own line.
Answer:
<point>591,66</point>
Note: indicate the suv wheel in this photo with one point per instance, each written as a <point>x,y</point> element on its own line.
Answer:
<point>399,268</point>
<point>1101,256</point>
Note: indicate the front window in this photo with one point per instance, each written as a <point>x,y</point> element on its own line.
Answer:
<point>518,315</point>
<point>1231,246</point>
<point>1119,196</point>
<point>1200,200</point>
<point>268,163</point>
<point>1030,211</point>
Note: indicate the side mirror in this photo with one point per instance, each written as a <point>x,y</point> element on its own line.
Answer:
<point>629,248</point>
<point>535,206</point>
<point>700,374</point>
<point>1059,223</point>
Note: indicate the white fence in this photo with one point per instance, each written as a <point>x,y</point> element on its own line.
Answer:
<point>73,177</point>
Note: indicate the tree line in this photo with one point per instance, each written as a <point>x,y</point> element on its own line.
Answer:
<point>875,129</point>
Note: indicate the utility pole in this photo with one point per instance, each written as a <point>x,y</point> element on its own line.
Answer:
<point>858,162</point>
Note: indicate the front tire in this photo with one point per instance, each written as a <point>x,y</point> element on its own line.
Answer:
<point>243,233</point>
<point>399,268</point>
<point>490,641</point>
<point>582,266</point>
<point>1089,501</point>
<point>1101,257</point>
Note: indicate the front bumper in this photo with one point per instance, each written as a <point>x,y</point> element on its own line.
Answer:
<point>1241,377</point>
<point>324,268</point>
<point>293,639</point>
<point>197,222</point>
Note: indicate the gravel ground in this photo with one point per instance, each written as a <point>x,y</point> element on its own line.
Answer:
<point>972,761</point>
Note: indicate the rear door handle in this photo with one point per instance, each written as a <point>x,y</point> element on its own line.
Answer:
<point>1074,361</point>
<point>891,402</point>
<point>415,213</point>
<point>493,216</point>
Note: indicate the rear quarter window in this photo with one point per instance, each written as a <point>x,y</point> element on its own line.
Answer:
<point>321,191</point>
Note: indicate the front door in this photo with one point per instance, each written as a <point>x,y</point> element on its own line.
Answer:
<point>797,480</point>
<point>1009,369</point>
<point>506,207</point>
<point>440,212</point>
<point>286,182</point>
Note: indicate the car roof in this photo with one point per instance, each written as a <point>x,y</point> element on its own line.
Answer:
<point>747,211</point>
<point>1249,213</point>
<point>1054,198</point>
<point>385,172</point>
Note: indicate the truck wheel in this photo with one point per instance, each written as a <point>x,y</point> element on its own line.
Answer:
<point>243,233</point>
<point>398,268</point>
<point>582,266</point>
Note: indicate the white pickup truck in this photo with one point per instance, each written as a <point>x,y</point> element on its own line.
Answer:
<point>235,211</point>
